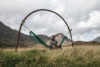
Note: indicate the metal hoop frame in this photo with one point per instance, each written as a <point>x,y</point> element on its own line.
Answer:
<point>38,10</point>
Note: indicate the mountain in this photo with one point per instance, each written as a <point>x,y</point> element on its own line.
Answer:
<point>97,39</point>
<point>8,37</point>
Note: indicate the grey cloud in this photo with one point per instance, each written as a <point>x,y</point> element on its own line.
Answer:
<point>74,11</point>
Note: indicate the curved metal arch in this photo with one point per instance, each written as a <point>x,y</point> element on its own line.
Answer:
<point>23,21</point>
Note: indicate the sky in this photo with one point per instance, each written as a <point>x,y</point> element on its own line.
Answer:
<point>83,16</point>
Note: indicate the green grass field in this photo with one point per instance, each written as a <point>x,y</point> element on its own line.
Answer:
<point>77,56</point>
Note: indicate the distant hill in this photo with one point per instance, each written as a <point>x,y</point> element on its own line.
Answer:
<point>8,37</point>
<point>97,39</point>
<point>86,43</point>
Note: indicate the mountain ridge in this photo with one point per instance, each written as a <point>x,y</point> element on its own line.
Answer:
<point>8,37</point>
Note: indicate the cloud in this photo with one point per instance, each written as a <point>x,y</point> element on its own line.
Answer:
<point>89,29</point>
<point>82,16</point>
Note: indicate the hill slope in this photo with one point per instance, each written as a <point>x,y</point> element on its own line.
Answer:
<point>8,37</point>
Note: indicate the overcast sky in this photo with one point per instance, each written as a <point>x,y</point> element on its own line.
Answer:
<point>83,16</point>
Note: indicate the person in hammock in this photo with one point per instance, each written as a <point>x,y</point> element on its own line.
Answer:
<point>53,42</point>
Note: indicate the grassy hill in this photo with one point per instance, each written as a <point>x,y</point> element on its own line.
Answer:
<point>77,56</point>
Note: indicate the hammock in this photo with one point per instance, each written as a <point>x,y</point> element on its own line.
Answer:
<point>32,35</point>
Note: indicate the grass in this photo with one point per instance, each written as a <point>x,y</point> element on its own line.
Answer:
<point>77,56</point>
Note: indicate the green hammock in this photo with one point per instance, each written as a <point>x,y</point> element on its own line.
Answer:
<point>32,35</point>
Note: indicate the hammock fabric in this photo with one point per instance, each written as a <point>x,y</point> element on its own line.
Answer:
<point>32,35</point>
